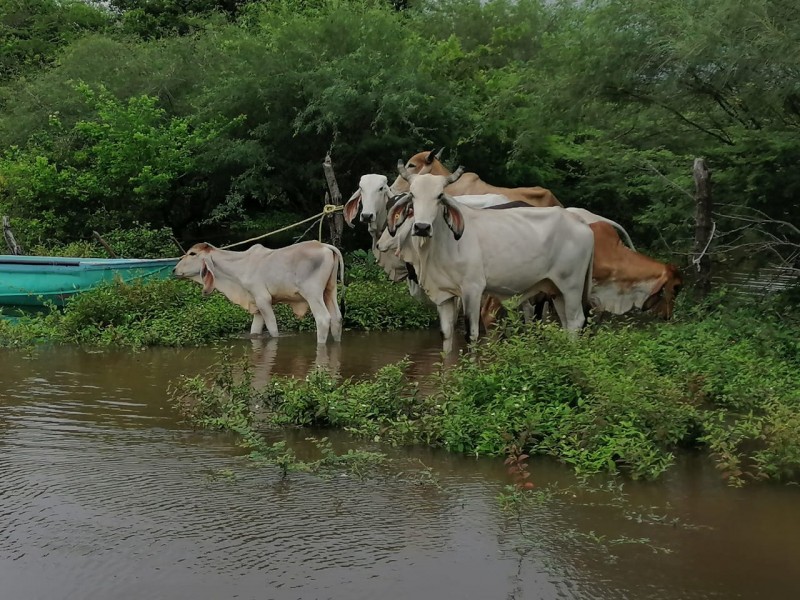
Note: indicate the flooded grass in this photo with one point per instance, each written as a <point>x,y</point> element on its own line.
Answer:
<point>621,400</point>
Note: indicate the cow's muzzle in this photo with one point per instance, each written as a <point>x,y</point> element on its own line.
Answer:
<point>422,229</point>
<point>367,217</point>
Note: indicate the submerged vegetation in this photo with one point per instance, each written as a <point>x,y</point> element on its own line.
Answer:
<point>618,400</point>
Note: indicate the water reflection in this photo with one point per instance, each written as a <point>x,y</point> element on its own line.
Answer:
<point>294,361</point>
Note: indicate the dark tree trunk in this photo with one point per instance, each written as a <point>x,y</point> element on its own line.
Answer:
<point>703,225</point>
<point>335,221</point>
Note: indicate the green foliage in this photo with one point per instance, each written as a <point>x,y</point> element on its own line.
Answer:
<point>139,241</point>
<point>161,312</point>
<point>124,163</point>
<point>217,111</point>
<point>32,31</point>
<point>385,306</point>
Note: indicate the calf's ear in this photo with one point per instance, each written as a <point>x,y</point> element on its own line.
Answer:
<point>453,216</point>
<point>207,275</point>
<point>398,214</point>
<point>351,207</point>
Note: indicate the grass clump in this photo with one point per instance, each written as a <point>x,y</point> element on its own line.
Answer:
<point>174,313</point>
<point>228,403</point>
<point>164,312</point>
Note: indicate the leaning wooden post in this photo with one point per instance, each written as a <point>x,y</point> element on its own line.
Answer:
<point>335,221</point>
<point>13,247</point>
<point>703,225</point>
<point>104,244</point>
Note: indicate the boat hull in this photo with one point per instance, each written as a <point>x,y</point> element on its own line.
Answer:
<point>32,281</point>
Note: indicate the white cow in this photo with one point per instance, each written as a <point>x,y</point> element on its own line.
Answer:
<point>375,197</point>
<point>302,275</point>
<point>461,252</point>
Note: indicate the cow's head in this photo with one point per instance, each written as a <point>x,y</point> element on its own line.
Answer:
<point>428,200</point>
<point>662,297</point>
<point>373,194</point>
<point>198,265</point>
<point>420,164</point>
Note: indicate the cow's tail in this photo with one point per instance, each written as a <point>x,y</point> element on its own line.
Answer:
<point>587,286</point>
<point>621,229</point>
<point>340,266</point>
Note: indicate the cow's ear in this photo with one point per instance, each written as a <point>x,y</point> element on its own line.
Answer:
<point>453,216</point>
<point>351,207</point>
<point>207,275</point>
<point>398,214</point>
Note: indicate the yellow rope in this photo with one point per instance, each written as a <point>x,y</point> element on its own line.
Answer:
<point>328,210</point>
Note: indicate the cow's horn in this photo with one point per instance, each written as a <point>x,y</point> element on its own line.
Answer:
<point>453,177</point>
<point>439,154</point>
<point>401,168</point>
<point>432,156</point>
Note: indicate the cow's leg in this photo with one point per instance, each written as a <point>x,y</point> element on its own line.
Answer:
<point>321,317</point>
<point>264,304</point>
<point>336,316</point>
<point>332,305</point>
<point>529,312</point>
<point>570,311</point>
<point>576,318</point>
<point>561,310</point>
<point>472,311</point>
<point>448,314</point>
<point>258,324</point>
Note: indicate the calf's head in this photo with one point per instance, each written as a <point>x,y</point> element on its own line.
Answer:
<point>664,292</point>
<point>428,200</point>
<point>372,195</point>
<point>198,265</point>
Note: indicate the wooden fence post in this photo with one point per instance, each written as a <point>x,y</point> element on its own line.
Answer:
<point>336,220</point>
<point>703,225</point>
<point>13,247</point>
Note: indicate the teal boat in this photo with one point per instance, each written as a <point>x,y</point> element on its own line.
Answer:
<point>32,281</point>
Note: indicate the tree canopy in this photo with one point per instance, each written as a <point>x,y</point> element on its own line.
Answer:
<point>184,113</point>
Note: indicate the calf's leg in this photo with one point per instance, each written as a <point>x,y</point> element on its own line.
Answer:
<point>258,324</point>
<point>264,304</point>
<point>321,317</point>
<point>332,305</point>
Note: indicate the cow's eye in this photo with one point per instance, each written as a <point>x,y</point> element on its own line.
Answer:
<point>192,253</point>
<point>411,166</point>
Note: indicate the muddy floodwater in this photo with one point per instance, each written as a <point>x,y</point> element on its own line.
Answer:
<point>104,494</point>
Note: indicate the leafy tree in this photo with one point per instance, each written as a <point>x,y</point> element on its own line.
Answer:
<point>129,161</point>
<point>32,31</point>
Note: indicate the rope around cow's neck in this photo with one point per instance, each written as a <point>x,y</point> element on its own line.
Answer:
<point>328,210</point>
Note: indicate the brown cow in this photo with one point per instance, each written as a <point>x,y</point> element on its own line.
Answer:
<point>471,183</point>
<point>622,279</point>
<point>625,279</point>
